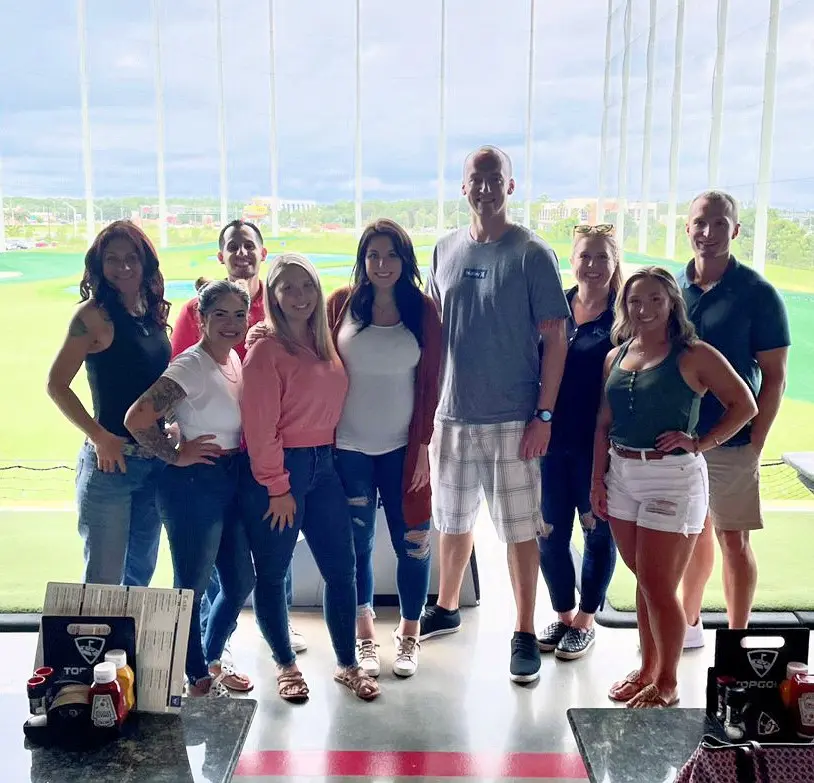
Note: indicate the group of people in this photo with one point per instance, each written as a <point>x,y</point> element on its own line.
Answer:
<point>638,406</point>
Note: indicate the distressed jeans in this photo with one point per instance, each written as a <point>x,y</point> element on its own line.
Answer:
<point>362,475</point>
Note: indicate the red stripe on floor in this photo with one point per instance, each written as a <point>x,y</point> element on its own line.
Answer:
<point>401,763</point>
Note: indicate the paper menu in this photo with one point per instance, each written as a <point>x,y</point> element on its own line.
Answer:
<point>162,618</point>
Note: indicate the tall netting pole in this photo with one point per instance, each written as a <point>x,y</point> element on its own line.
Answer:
<point>273,151</point>
<point>87,149</point>
<point>647,143</point>
<point>603,142</point>
<point>623,123</point>
<point>159,127</point>
<point>529,121</point>
<point>440,221</point>
<point>675,132</point>
<point>224,183</point>
<point>358,136</point>
<point>714,159</point>
<point>764,175</point>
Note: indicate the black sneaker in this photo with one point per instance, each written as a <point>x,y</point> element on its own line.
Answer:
<point>525,665</point>
<point>551,636</point>
<point>575,643</point>
<point>437,621</point>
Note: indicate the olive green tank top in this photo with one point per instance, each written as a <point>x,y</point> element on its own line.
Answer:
<point>645,403</point>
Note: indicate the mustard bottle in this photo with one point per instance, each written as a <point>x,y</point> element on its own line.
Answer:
<point>125,676</point>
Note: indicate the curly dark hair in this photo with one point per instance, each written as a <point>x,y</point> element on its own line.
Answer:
<point>93,282</point>
<point>407,290</point>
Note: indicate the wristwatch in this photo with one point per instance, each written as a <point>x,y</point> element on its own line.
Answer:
<point>543,415</point>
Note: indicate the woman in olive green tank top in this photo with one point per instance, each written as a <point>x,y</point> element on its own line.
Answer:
<point>649,478</point>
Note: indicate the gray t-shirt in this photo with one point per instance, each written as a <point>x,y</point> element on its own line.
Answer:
<point>493,297</point>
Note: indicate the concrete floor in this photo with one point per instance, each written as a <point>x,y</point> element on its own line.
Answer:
<point>459,718</point>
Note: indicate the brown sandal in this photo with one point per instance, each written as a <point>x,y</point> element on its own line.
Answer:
<point>357,680</point>
<point>291,687</point>
<point>650,697</point>
<point>626,689</point>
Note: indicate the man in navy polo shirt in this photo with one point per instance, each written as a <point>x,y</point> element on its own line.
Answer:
<point>738,312</point>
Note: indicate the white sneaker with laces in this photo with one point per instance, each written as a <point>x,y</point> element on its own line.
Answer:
<point>368,656</point>
<point>694,636</point>
<point>298,643</point>
<point>406,662</point>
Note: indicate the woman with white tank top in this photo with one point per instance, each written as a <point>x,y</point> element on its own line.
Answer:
<point>388,334</point>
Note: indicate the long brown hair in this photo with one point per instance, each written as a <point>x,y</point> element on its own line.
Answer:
<point>93,282</point>
<point>680,330</point>
<point>406,291</point>
<point>275,318</point>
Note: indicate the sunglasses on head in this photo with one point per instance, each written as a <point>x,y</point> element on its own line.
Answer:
<point>600,228</point>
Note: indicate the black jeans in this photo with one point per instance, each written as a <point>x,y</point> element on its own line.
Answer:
<point>566,480</point>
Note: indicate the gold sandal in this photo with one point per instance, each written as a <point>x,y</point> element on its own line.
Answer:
<point>291,687</point>
<point>650,697</point>
<point>357,680</point>
<point>626,689</point>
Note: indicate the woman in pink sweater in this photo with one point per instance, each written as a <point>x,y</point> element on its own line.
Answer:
<point>294,387</point>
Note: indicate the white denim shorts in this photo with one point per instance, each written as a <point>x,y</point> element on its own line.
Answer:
<point>669,494</point>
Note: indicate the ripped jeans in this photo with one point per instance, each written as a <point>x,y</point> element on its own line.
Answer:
<point>362,475</point>
<point>566,484</point>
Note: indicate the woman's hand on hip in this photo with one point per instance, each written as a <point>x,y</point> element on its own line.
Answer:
<point>672,440</point>
<point>421,475</point>
<point>281,512</point>
<point>109,454</point>
<point>197,451</point>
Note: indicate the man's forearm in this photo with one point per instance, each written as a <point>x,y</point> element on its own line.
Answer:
<point>768,405</point>
<point>555,348</point>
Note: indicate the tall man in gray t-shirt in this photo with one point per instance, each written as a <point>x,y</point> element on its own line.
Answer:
<point>498,288</point>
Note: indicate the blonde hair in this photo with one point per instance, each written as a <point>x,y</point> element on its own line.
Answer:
<point>680,330</point>
<point>275,318</point>
<point>610,240</point>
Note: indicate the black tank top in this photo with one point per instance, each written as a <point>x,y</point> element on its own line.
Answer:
<point>120,374</point>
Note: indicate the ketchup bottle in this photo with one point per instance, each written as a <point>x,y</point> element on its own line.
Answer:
<point>107,703</point>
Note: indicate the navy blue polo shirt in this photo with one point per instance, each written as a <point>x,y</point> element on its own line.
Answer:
<point>742,315</point>
<point>574,422</point>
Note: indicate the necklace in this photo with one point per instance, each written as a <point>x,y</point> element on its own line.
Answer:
<point>231,378</point>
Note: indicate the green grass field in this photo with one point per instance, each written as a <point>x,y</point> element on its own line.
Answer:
<point>34,312</point>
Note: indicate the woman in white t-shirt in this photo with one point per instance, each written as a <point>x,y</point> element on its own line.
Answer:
<point>199,492</point>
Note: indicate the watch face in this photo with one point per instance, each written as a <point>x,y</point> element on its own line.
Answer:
<point>544,415</point>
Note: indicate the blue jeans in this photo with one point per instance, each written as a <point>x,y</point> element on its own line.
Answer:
<point>362,475</point>
<point>566,480</point>
<point>200,506</point>
<point>118,519</point>
<point>322,516</point>
<point>213,588</point>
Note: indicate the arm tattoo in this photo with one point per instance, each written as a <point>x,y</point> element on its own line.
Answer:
<point>161,396</point>
<point>77,327</point>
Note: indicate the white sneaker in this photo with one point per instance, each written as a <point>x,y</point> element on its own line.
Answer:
<point>368,656</point>
<point>406,662</point>
<point>694,636</point>
<point>298,643</point>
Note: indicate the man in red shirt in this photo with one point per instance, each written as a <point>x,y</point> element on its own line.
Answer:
<point>241,251</point>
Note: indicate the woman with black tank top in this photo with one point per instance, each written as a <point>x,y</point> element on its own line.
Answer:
<point>649,478</point>
<point>119,332</point>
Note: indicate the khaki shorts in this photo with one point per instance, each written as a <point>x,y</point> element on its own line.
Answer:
<point>734,487</point>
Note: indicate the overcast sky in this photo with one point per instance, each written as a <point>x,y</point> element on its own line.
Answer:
<point>487,68</point>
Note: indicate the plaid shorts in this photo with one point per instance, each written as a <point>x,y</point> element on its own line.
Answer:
<point>468,458</point>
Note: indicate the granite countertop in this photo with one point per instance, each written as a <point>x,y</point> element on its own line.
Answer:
<point>637,746</point>
<point>201,745</point>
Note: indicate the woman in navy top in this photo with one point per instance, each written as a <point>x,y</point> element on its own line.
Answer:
<point>566,468</point>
